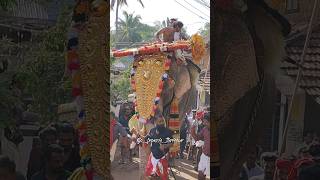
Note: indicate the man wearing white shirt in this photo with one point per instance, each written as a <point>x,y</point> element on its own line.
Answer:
<point>269,166</point>
<point>251,168</point>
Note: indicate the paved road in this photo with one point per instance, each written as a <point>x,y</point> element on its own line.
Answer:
<point>183,170</point>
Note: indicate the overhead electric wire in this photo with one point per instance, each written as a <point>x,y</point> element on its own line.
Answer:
<point>191,11</point>
<point>197,9</point>
<point>206,3</point>
<point>203,4</point>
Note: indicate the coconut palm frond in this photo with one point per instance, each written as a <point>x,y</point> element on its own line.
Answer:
<point>140,1</point>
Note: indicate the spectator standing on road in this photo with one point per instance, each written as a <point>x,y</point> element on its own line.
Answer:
<point>53,168</point>
<point>66,137</point>
<point>204,135</point>
<point>8,170</point>
<point>268,163</point>
<point>36,158</point>
<point>250,167</point>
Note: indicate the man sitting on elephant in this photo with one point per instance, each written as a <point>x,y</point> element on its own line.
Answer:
<point>171,34</point>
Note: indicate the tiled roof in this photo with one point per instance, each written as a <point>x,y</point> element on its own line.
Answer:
<point>30,15</point>
<point>34,10</point>
<point>310,80</point>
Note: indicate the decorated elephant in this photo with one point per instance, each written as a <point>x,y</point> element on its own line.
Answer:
<point>178,95</point>
<point>182,89</point>
<point>248,47</point>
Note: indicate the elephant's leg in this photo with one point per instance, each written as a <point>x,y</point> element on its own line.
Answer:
<point>166,98</point>
<point>229,136</point>
<point>194,72</point>
<point>186,103</point>
<point>249,118</point>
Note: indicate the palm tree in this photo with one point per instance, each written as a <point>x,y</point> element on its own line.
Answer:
<point>120,3</point>
<point>129,26</point>
<point>160,24</point>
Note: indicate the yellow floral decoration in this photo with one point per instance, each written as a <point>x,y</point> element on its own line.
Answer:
<point>197,47</point>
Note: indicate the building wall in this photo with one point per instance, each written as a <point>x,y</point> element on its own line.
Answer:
<point>301,15</point>
<point>312,115</point>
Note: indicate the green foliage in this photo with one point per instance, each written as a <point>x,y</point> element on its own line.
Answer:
<point>132,30</point>
<point>121,88</point>
<point>8,99</point>
<point>128,27</point>
<point>43,71</point>
<point>6,4</point>
<point>160,24</point>
<point>205,31</point>
<point>122,2</point>
<point>146,32</point>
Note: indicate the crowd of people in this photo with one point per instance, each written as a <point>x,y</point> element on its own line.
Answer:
<point>55,152</point>
<point>54,155</point>
<point>194,142</point>
<point>303,164</point>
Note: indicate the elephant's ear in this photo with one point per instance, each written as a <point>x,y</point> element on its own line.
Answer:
<point>281,20</point>
<point>192,64</point>
<point>270,33</point>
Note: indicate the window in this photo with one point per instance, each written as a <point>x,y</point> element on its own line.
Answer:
<point>292,6</point>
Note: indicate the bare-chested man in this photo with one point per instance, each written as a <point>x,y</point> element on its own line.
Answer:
<point>169,33</point>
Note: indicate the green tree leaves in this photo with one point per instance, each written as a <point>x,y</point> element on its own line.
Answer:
<point>44,67</point>
<point>205,31</point>
<point>6,4</point>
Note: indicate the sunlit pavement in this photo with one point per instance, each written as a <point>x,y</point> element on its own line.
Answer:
<point>183,170</point>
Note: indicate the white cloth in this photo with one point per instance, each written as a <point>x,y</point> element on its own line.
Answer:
<point>15,153</point>
<point>113,150</point>
<point>256,171</point>
<point>261,177</point>
<point>117,110</point>
<point>156,162</point>
<point>196,124</point>
<point>193,142</point>
<point>176,36</point>
<point>204,164</point>
<point>190,119</point>
<point>199,143</point>
<point>179,52</point>
<point>133,143</point>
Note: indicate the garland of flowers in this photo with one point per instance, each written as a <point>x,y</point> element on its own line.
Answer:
<point>80,16</point>
<point>151,49</point>
<point>164,77</point>
<point>196,43</point>
<point>197,47</point>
